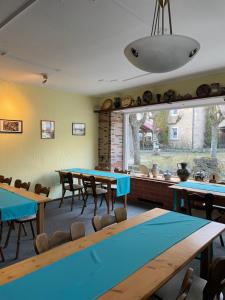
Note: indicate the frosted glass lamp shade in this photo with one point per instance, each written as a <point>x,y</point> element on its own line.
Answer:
<point>161,53</point>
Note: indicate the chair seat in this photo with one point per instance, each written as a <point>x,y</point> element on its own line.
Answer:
<point>26,219</point>
<point>196,289</point>
<point>201,214</point>
<point>113,186</point>
<point>75,187</point>
<point>99,191</point>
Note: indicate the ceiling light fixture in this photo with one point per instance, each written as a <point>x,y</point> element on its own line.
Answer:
<point>161,52</point>
<point>44,78</point>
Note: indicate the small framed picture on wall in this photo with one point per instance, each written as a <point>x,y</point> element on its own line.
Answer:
<point>78,129</point>
<point>11,126</point>
<point>47,129</point>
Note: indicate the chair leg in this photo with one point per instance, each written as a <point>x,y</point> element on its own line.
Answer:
<point>24,229</point>
<point>11,226</point>
<point>2,255</point>
<point>72,200</point>
<point>63,195</point>
<point>102,197</point>
<point>96,202</point>
<point>221,240</point>
<point>113,198</point>
<point>32,229</point>
<point>84,200</point>
<point>18,241</point>
<point>107,202</point>
<point>1,229</point>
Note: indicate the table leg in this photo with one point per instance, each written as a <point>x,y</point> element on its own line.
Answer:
<point>40,218</point>
<point>206,260</point>
<point>174,200</point>
<point>109,192</point>
<point>125,201</point>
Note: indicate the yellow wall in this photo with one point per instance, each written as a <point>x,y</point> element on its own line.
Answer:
<point>27,156</point>
<point>181,86</point>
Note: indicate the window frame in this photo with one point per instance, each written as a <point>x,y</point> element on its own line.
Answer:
<point>170,131</point>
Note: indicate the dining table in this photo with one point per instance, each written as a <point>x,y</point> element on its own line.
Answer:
<point>129,260</point>
<point>198,187</point>
<point>18,203</point>
<point>122,182</point>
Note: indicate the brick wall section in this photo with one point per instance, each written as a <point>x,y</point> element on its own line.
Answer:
<point>110,144</point>
<point>104,139</point>
<point>149,190</point>
<point>116,140</point>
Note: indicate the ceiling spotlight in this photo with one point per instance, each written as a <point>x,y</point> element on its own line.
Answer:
<point>44,78</point>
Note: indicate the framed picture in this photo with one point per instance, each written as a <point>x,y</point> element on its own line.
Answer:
<point>78,129</point>
<point>47,129</point>
<point>11,126</point>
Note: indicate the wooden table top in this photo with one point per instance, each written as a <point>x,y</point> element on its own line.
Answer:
<point>24,193</point>
<point>143,282</point>
<point>177,187</point>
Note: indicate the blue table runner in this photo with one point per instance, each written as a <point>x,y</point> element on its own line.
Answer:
<point>123,180</point>
<point>14,206</point>
<point>89,273</point>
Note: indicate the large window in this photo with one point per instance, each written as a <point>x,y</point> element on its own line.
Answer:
<point>195,135</point>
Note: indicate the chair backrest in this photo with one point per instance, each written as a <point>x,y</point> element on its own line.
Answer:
<point>39,189</point>
<point>144,170</point>
<point>77,230</point>
<point>116,170</point>
<point>99,168</point>
<point>216,280</point>
<point>186,284</point>
<point>66,179</point>
<point>120,214</point>
<point>89,182</point>
<point>199,202</point>
<point>5,180</point>
<point>102,222</point>
<point>41,243</point>
<point>22,185</point>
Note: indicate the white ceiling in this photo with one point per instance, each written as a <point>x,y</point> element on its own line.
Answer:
<point>79,42</point>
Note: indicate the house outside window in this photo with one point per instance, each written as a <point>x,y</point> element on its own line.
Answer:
<point>174,133</point>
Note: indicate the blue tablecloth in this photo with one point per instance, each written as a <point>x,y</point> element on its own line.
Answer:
<point>89,273</point>
<point>123,180</point>
<point>13,206</point>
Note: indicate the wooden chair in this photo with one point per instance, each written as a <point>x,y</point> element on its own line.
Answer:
<point>41,190</point>
<point>202,206</point>
<point>43,243</point>
<point>66,180</point>
<point>120,214</point>
<point>5,180</point>
<point>213,288</point>
<point>89,184</point>
<point>22,185</point>
<point>77,230</point>
<point>99,223</point>
<point>165,292</point>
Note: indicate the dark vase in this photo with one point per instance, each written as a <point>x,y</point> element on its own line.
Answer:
<point>182,171</point>
<point>117,102</point>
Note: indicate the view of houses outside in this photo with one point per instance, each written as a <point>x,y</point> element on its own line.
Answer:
<point>193,135</point>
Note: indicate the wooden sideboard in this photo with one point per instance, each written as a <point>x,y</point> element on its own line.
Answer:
<point>155,191</point>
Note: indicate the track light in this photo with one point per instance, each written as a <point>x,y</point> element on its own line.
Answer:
<point>44,78</point>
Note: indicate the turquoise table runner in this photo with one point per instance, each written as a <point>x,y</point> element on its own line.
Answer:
<point>13,206</point>
<point>200,186</point>
<point>91,272</point>
<point>123,180</point>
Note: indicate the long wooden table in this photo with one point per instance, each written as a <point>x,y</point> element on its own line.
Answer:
<point>148,279</point>
<point>176,188</point>
<point>105,180</point>
<point>40,199</point>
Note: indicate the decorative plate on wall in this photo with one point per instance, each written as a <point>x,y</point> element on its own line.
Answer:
<point>147,97</point>
<point>107,104</point>
<point>203,90</point>
<point>126,101</point>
